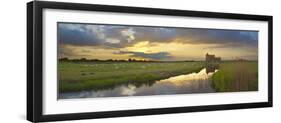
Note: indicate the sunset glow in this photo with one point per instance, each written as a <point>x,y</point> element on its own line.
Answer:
<point>153,43</point>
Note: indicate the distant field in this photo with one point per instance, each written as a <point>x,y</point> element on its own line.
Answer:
<point>236,76</point>
<point>79,76</point>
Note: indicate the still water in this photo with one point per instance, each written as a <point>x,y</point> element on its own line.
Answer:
<point>183,84</point>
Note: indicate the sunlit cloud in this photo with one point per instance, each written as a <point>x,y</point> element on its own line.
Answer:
<point>166,44</point>
<point>112,40</point>
<point>149,56</point>
<point>129,33</point>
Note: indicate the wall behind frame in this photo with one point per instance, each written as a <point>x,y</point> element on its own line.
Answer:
<point>13,61</point>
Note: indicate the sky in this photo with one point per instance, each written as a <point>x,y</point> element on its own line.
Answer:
<point>97,41</point>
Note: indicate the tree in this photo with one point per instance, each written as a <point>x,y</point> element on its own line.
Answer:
<point>63,59</point>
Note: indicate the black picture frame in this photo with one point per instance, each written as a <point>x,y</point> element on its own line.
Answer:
<point>35,69</point>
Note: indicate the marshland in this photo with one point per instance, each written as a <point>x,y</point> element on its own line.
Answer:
<point>111,60</point>
<point>109,79</point>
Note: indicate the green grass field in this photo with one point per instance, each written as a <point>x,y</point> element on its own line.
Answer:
<point>79,76</point>
<point>236,76</point>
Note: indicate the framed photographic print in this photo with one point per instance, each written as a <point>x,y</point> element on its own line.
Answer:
<point>95,61</point>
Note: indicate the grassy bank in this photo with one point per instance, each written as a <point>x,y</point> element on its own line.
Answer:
<point>236,76</point>
<point>78,76</point>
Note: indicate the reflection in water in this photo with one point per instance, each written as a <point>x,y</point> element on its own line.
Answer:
<point>182,84</point>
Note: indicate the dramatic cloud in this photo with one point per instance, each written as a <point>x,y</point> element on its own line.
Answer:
<point>153,56</point>
<point>129,33</point>
<point>156,42</point>
<point>121,36</point>
<point>85,35</point>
